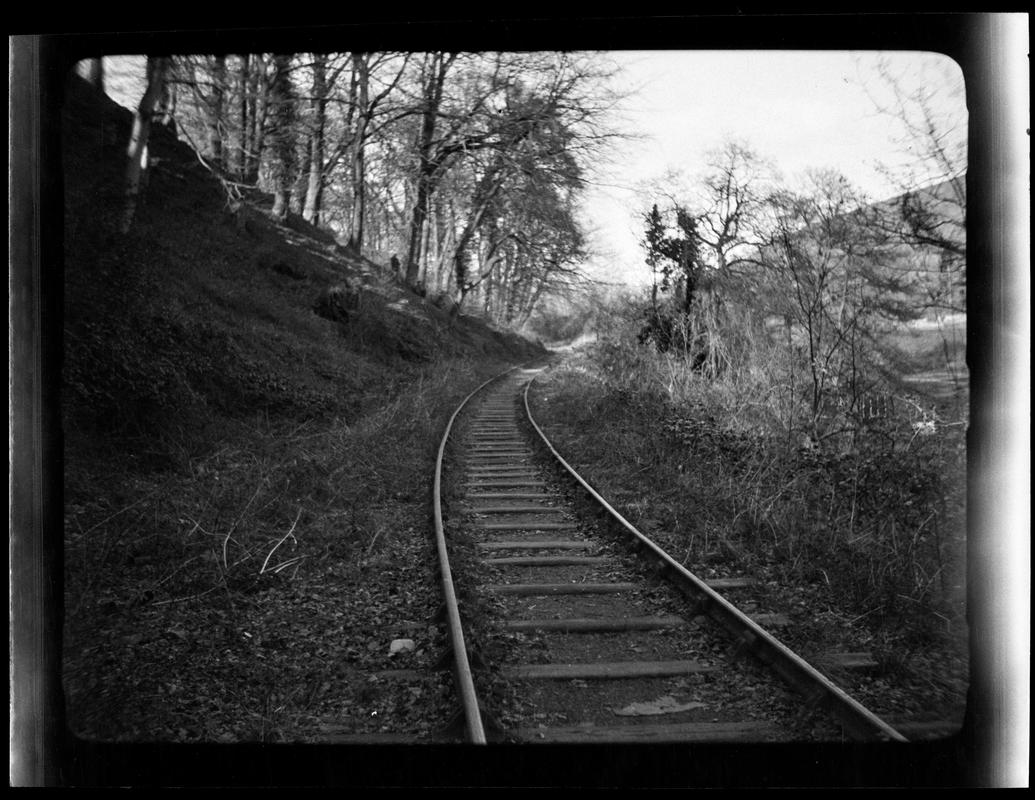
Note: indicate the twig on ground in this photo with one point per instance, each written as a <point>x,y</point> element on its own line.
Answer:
<point>284,538</point>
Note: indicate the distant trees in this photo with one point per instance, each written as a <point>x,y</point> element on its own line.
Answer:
<point>502,139</point>
<point>825,258</point>
<point>818,262</point>
<point>723,216</point>
<point>929,215</point>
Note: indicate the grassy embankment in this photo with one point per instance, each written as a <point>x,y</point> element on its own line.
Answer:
<point>865,544</point>
<point>246,482</point>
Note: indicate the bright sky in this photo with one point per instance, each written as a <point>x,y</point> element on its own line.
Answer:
<point>799,109</point>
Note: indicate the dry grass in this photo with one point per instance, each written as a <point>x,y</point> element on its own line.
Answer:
<point>710,467</point>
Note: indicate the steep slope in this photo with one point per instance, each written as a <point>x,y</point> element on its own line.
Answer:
<point>247,451</point>
<point>204,304</point>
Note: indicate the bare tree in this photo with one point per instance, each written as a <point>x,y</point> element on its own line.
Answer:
<point>431,154</point>
<point>731,206</point>
<point>357,162</point>
<point>929,215</point>
<point>243,78</point>
<point>368,108</point>
<point>509,125</point>
<point>282,101</point>
<point>217,105</point>
<point>318,112</point>
<point>258,111</point>
<point>827,278</point>
<point>137,151</point>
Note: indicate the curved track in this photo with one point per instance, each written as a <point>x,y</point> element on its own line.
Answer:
<point>598,637</point>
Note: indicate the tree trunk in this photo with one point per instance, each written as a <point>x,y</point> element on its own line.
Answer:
<point>420,212</point>
<point>357,166</point>
<point>136,153</point>
<point>427,167</point>
<point>434,248</point>
<point>300,184</point>
<point>258,101</point>
<point>243,83</point>
<point>283,137</point>
<point>215,117</point>
<point>167,101</point>
<point>314,190</point>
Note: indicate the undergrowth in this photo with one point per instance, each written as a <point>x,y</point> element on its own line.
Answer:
<point>704,466</point>
<point>261,498</point>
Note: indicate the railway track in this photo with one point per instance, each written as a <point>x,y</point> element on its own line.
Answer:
<point>598,637</point>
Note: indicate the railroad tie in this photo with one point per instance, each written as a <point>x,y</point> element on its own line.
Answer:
<point>730,583</point>
<point>751,731</point>
<point>501,470</point>
<point>490,474</point>
<point>508,496</point>
<point>850,661</point>
<point>501,463</point>
<point>923,726</point>
<point>525,525</point>
<point>527,508</point>
<point>607,670</point>
<point>533,589</point>
<point>590,625</point>
<point>536,545</point>
<point>546,561</point>
<point>771,620</point>
<point>501,482</point>
<point>490,457</point>
<point>498,461</point>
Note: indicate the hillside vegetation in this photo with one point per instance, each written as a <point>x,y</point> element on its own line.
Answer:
<point>863,544</point>
<point>250,414</point>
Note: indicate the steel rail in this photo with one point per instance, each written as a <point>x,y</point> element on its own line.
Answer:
<point>464,679</point>
<point>816,687</point>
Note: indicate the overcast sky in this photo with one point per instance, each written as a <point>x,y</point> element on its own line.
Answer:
<point>799,109</point>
